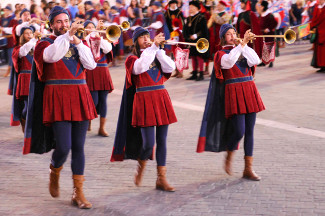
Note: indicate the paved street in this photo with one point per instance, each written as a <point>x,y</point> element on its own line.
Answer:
<point>289,155</point>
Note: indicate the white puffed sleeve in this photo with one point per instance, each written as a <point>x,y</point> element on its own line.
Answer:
<point>167,64</point>
<point>143,63</point>
<point>56,51</point>
<point>229,60</point>
<point>24,49</point>
<point>251,56</point>
<point>86,57</point>
<point>105,45</point>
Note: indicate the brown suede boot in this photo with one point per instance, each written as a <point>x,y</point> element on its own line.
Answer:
<point>249,172</point>
<point>228,162</point>
<point>161,183</point>
<point>8,71</point>
<point>89,126</point>
<point>102,131</point>
<point>78,197</point>
<point>54,181</point>
<point>140,169</point>
<point>23,123</point>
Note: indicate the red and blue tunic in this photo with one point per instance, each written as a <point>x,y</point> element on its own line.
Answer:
<point>100,79</point>
<point>241,94</point>
<point>66,95</point>
<point>9,21</point>
<point>23,67</point>
<point>152,105</point>
<point>318,22</point>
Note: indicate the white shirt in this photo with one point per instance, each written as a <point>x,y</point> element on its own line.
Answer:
<point>24,49</point>
<point>229,60</point>
<point>104,44</point>
<point>143,63</point>
<point>56,51</point>
<point>158,24</point>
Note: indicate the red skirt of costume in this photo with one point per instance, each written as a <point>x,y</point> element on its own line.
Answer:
<point>152,105</point>
<point>318,22</point>
<point>23,67</point>
<point>241,94</point>
<point>100,79</point>
<point>66,96</point>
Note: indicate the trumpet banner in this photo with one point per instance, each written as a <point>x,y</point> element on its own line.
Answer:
<point>181,58</point>
<point>95,47</point>
<point>268,52</point>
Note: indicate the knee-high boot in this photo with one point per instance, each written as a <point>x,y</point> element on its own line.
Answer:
<point>102,131</point>
<point>54,181</point>
<point>78,197</point>
<point>228,162</point>
<point>140,169</point>
<point>161,183</point>
<point>248,171</point>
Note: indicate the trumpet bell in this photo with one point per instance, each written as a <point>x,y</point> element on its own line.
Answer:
<point>202,45</point>
<point>289,36</point>
<point>125,25</point>
<point>113,33</point>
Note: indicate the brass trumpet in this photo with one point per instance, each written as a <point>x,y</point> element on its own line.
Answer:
<point>112,32</point>
<point>202,45</point>
<point>289,36</point>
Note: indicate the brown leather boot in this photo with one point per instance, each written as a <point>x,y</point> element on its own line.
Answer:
<point>102,131</point>
<point>228,162</point>
<point>54,181</point>
<point>161,183</point>
<point>140,169</point>
<point>23,123</point>
<point>249,172</point>
<point>78,197</point>
<point>89,126</point>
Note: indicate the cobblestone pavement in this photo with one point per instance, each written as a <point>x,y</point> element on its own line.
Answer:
<point>289,156</point>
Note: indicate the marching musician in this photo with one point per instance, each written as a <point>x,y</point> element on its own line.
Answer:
<point>267,25</point>
<point>248,20</point>
<point>158,21</point>
<point>146,107</point>
<point>234,98</point>
<point>194,29</point>
<point>99,80</point>
<point>318,25</point>
<point>7,24</point>
<point>217,19</point>
<point>22,58</point>
<point>173,12</point>
<point>27,21</point>
<point>60,61</point>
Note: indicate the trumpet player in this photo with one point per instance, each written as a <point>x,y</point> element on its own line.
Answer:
<point>99,79</point>
<point>67,106</point>
<point>146,107</point>
<point>22,58</point>
<point>232,83</point>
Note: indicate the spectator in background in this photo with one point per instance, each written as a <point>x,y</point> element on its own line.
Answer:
<point>17,7</point>
<point>81,12</point>
<point>106,10</point>
<point>51,4</point>
<point>295,13</point>
<point>143,7</point>
<point>73,8</point>
<point>43,4</point>
<point>134,13</point>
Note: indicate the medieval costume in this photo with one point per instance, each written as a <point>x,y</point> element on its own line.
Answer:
<point>232,103</point>
<point>145,106</point>
<point>171,14</point>
<point>60,106</point>
<point>318,23</point>
<point>215,22</point>
<point>22,59</point>
<point>248,20</point>
<point>123,16</point>
<point>91,14</point>
<point>196,27</point>
<point>177,36</point>
<point>7,24</point>
<point>99,79</point>
<point>267,26</point>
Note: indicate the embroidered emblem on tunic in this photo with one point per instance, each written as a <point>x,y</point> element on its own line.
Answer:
<point>154,72</point>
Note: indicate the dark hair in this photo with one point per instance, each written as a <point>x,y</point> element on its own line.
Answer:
<point>32,8</point>
<point>265,5</point>
<point>222,41</point>
<point>136,5</point>
<point>136,47</point>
